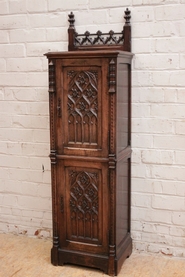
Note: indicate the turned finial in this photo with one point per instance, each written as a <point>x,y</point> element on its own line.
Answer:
<point>71,19</point>
<point>127,17</point>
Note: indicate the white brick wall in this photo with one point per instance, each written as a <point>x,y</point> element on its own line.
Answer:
<point>30,28</point>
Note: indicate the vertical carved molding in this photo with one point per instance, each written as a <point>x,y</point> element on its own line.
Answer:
<point>112,164</point>
<point>54,251</point>
<point>112,76</point>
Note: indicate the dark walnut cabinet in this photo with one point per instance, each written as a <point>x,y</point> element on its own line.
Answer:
<point>90,127</point>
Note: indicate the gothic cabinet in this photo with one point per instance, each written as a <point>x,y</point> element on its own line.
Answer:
<point>90,126</point>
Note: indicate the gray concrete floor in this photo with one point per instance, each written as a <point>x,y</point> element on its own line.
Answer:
<point>21,256</point>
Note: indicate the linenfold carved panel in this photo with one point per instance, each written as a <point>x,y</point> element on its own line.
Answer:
<point>84,216</point>
<point>83,106</point>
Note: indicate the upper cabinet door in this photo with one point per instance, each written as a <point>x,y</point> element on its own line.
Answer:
<point>82,101</point>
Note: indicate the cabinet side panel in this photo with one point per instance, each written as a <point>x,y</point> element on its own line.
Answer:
<point>122,201</point>
<point>122,107</point>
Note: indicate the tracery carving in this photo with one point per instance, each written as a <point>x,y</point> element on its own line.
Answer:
<point>99,38</point>
<point>87,40</point>
<point>84,204</point>
<point>83,106</point>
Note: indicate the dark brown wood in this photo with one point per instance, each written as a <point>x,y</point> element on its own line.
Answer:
<point>90,134</point>
<point>99,40</point>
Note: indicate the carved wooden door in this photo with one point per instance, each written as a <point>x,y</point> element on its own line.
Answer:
<point>82,140</point>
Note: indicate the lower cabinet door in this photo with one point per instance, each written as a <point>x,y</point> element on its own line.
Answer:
<point>83,198</point>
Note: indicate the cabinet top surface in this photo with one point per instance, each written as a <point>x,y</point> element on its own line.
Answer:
<point>94,54</point>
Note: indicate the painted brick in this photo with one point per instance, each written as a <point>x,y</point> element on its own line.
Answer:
<point>178,218</point>
<point>137,2</point>
<point>13,21</point>
<point>143,185</point>
<point>46,177</point>
<point>21,93</point>
<point>157,61</point>
<point>182,61</point>
<point>18,135</point>
<point>2,65</point>
<point>164,29</point>
<point>141,200</point>
<point>177,231</point>
<point>12,50</point>
<point>24,64</point>
<point>170,12</point>
<point>14,107</point>
<point>33,149</point>
<point>180,157</point>
<point>153,2</point>
<point>4,7</point>
<point>25,175</point>
<point>67,5</point>
<point>180,96</point>
<point>140,170</point>
<point>151,215</point>
<point>44,191</point>
<point>41,136</point>
<point>151,95</point>
<point>38,163</point>
<point>17,7</point>
<point>29,188</point>
<point>165,202</point>
<point>142,140</point>
<point>15,162</point>
<point>32,213</point>
<point>138,112</point>
<point>136,156</point>
<point>167,111</point>
<point>144,45</point>
<point>173,142</point>
<point>30,122</point>
<point>171,45</point>
<point>94,4</point>
<point>157,157</point>
<point>30,202</point>
<point>165,187</point>
<point>144,14</point>
<point>47,20</point>
<point>143,30</point>
<point>37,6</point>
<point>166,172</point>
<point>38,49</point>
<point>20,35</point>
<point>56,34</point>
<point>180,127</point>
<point>147,125</point>
<point>8,199</point>
<point>13,148</point>
<point>38,108</point>
<point>142,78</point>
<point>4,36</point>
<point>170,95</point>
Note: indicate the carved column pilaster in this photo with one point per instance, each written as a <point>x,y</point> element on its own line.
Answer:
<point>112,164</point>
<point>53,158</point>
